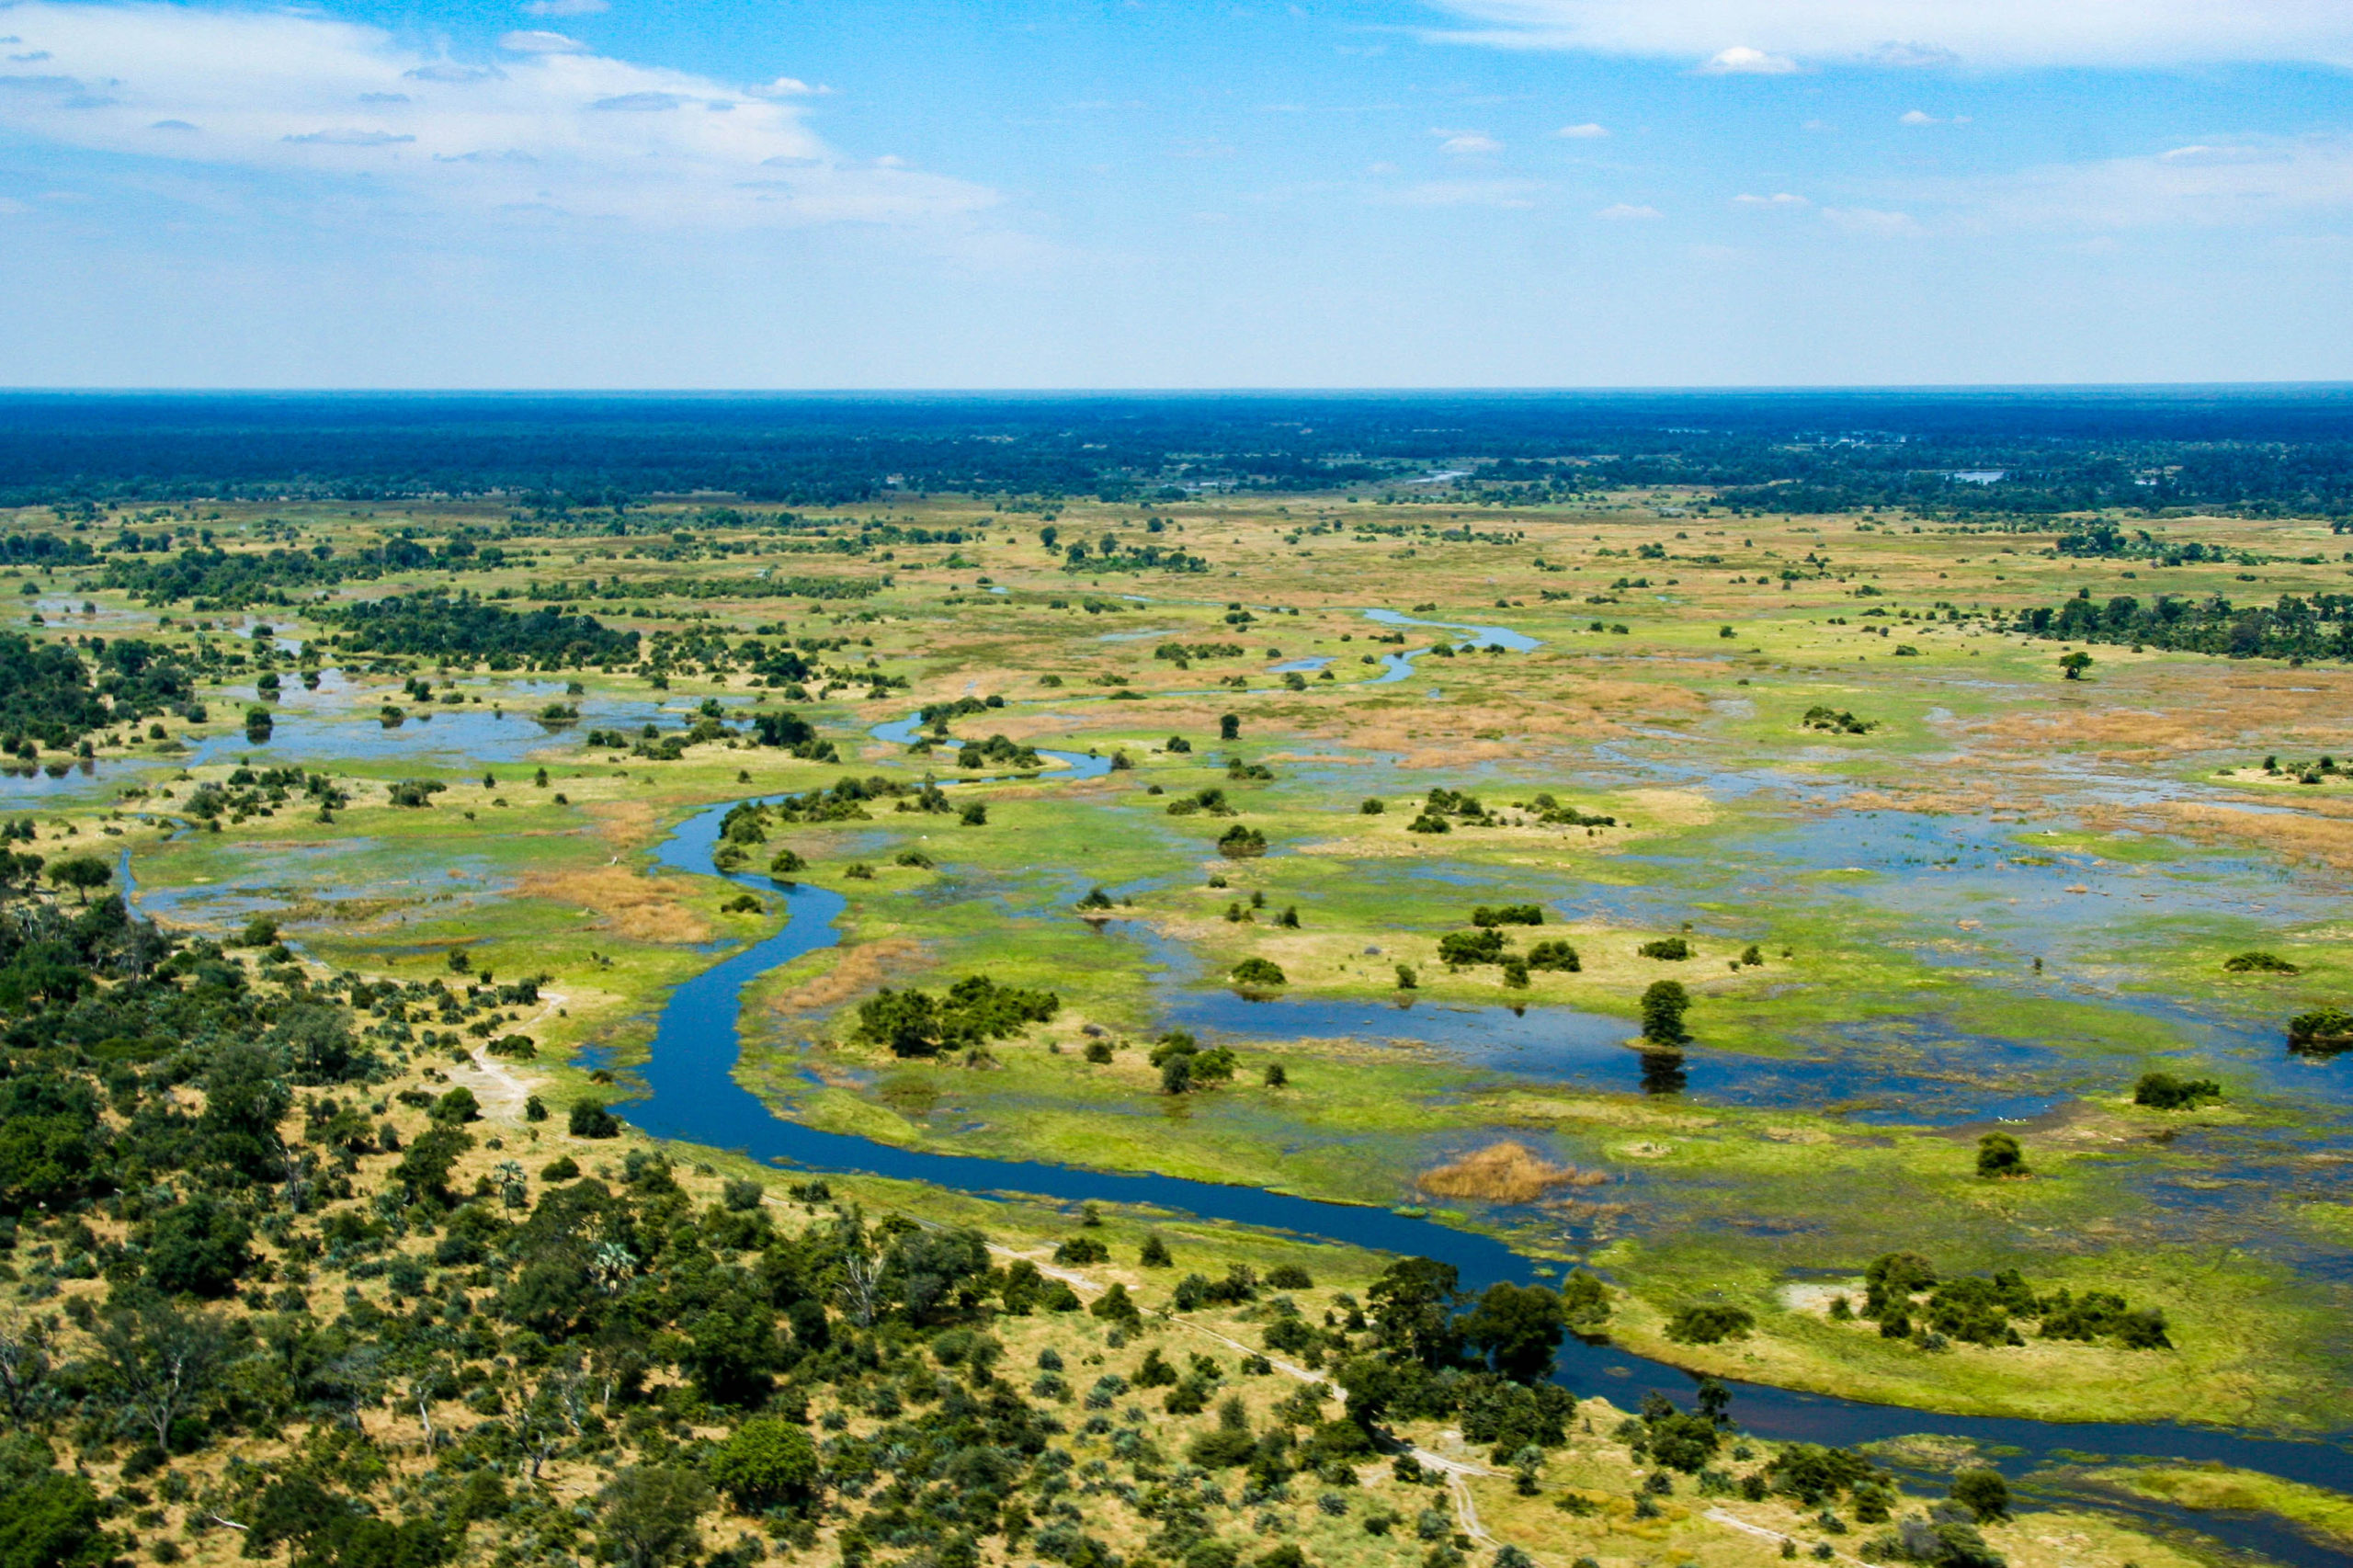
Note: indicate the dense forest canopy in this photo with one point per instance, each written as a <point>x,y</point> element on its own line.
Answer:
<point>1994,451</point>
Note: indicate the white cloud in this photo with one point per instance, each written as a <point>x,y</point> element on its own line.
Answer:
<point>789,88</point>
<point>535,42</point>
<point>1779,198</point>
<point>567,131</point>
<point>1588,131</point>
<point>566,8</point>
<point>1512,195</point>
<point>1922,116</point>
<point>1873,224</point>
<point>349,139</point>
<point>2253,184</point>
<point>1911,34</point>
<point>1626,212</point>
<point>1742,61</point>
<point>1467,144</point>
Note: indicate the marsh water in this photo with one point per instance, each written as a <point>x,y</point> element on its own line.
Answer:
<point>691,1095</point>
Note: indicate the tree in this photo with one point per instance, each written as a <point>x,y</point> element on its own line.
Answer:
<point>731,1348</point>
<point>24,1370</point>
<point>198,1248</point>
<point>926,1268</point>
<point>1229,726</point>
<point>1257,972</point>
<point>1998,1154</point>
<point>1518,1328</point>
<point>1983,1492</point>
<point>161,1361</point>
<point>2073,665</point>
<point>80,872</point>
<point>294,1509</point>
<point>650,1513</point>
<point>425,1168</point>
<point>49,1519</point>
<point>1664,1005</point>
<point>1413,1306</point>
<point>766,1464</point>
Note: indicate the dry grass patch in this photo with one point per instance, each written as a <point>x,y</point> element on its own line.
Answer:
<point>859,969</point>
<point>1503,1172</point>
<point>624,901</point>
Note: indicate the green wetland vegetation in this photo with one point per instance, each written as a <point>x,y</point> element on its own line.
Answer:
<point>1828,968</point>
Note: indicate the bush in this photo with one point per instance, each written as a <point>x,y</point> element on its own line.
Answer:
<point>1507,915</point>
<point>1669,948</point>
<point>1373,806</point>
<point>1241,843</point>
<point>2162,1091</point>
<point>766,1463</point>
<point>1483,946</point>
<point>1983,1492</point>
<point>1258,972</point>
<point>1707,1323</point>
<point>2258,963</point>
<point>564,1167</point>
<point>1998,1154</point>
<point>1554,955</point>
<point>589,1119</point>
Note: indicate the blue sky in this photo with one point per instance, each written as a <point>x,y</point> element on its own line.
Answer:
<point>678,193</point>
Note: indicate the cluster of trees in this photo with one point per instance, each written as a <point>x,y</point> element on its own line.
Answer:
<point>218,579</point>
<point>466,630</point>
<point>1441,803</point>
<point>1985,1310</point>
<point>1184,653</point>
<point>2323,1031</point>
<point>973,1011</point>
<point>1185,1066</point>
<point>1836,722</point>
<point>1766,452</point>
<point>2294,626</point>
<point>51,696</point>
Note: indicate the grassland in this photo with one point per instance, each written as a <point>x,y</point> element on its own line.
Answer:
<point>1994,909</point>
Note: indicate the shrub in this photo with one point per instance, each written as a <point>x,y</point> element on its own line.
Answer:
<point>1507,915</point>
<point>2258,963</point>
<point>1670,948</point>
<point>589,1119</point>
<point>1998,1154</point>
<point>1554,955</point>
<point>1373,806</point>
<point>564,1167</point>
<point>1983,1492</point>
<point>1483,946</point>
<point>1258,972</point>
<point>1707,1323</point>
<point>1240,843</point>
<point>2162,1091</point>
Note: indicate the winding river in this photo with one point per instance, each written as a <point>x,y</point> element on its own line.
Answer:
<point>692,1095</point>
